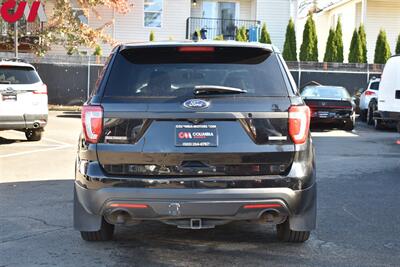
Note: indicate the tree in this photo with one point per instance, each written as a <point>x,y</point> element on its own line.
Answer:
<point>98,51</point>
<point>339,42</point>
<point>356,51</point>
<point>265,38</point>
<point>63,28</point>
<point>290,47</point>
<point>309,47</point>
<point>152,38</point>
<point>331,48</point>
<point>382,48</point>
<point>398,46</point>
<point>241,34</point>
<point>363,40</point>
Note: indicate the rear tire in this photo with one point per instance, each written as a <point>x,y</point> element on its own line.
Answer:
<point>370,115</point>
<point>378,124</point>
<point>285,234</point>
<point>33,134</point>
<point>348,126</point>
<point>363,115</point>
<point>105,233</point>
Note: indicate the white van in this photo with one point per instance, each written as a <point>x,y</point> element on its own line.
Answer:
<point>389,93</point>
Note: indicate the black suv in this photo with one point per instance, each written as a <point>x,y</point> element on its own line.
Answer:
<point>195,135</point>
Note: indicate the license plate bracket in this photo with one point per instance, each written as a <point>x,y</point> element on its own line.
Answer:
<point>6,97</point>
<point>187,135</point>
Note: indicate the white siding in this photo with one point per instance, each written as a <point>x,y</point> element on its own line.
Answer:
<point>325,20</point>
<point>105,15</point>
<point>130,27</point>
<point>276,14</point>
<point>382,15</point>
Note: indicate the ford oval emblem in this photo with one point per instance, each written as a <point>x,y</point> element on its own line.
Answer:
<point>196,104</point>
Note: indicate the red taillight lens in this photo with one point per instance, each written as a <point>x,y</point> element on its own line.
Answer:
<point>41,91</point>
<point>129,206</point>
<point>369,93</point>
<point>92,121</point>
<point>262,206</point>
<point>196,49</point>
<point>299,123</point>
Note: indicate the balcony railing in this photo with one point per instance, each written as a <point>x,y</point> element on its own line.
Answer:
<point>210,28</point>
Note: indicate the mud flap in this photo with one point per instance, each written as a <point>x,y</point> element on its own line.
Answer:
<point>306,220</point>
<point>84,221</point>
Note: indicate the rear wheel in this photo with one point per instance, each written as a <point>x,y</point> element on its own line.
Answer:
<point>287,235</point>
<point>370,115</point>
<point>378,124</point>
<point>348,126</point>
<point>363,115</point>
<point>34,134</point>
<point>105,233</point>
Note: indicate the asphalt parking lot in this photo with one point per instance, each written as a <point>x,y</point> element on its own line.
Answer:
<point>358,211</point>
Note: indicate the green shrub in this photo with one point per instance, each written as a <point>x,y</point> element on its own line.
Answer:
<point>152,38</point>
<point>398,45</point>
<point>98,51</point>
<point>339,42</point>
<point>309,47</point>
<point>331,48</point>
<point>290,47</point>
<point>241,34</point>
<point>363,39</point>
<point>265,38</point>
<point>356,50</point>
<point>382,48</point>
<point>219,37</point>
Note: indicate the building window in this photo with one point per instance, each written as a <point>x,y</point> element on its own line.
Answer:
<point>153,13</point>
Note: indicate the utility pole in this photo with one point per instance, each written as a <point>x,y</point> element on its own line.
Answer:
<point>16,38</point>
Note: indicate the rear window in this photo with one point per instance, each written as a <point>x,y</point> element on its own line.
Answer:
<point>18,75</point>
<point>172,72</point>
<point>325,92</point>
<point>374,86</point>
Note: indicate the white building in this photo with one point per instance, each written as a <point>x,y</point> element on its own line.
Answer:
<point>374,14</point>
<point>178,19</point>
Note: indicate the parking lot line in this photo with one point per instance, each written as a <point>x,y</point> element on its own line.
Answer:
<point>35,151</point>
<point>57,142</point>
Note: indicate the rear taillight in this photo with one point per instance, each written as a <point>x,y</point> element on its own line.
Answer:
<point>204,49</point>
<point>92,121</point>
<point>369,93</point>
<point>299,123</point>
<point>42,90</point>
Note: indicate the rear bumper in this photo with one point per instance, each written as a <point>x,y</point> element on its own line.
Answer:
<point>389,115</point>
<point>26,121</point>
<point>213,206</point>
<point>214,199</point>
<point>329,120</point>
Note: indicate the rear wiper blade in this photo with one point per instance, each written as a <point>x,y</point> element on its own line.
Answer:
<point>216,89</point>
